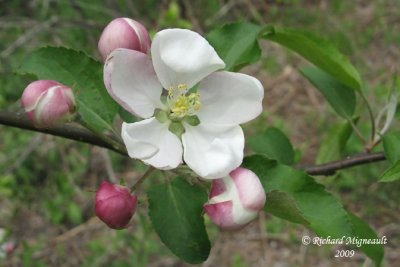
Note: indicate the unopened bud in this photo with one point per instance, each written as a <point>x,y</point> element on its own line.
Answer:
<point>235,200</point>
<point>48,103</point>
<point>9,247</point>
<point>123,33</point>
<point>115,205</point>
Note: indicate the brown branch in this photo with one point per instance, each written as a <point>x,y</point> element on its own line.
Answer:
<point>69,130</point>
<point>78,133</point>
<point>351,161</point>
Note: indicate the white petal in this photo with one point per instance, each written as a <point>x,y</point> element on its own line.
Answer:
<point>240,214</point>
<point>130,79</point>
<point>152,142</point>
<point>183,57</point>
<point>229,98</point>
<point>213,151</point>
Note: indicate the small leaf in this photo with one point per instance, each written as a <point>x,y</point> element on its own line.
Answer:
<point>334,142</point>
<point>274,144</point>
<point>318,51</point>
<point>175,210</point>
<point>362,230</point>
<point>340,97</point>
<point>84,75</point>
<point>391,146</point>
<point>392,174</point>
<point>389,111</point>
<point>236,44</point>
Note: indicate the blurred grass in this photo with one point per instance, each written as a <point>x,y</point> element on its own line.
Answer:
<point>46,183</point>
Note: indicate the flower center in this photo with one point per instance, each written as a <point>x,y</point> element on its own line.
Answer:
<point>182,104</point>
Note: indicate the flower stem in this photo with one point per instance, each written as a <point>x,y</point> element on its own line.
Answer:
<point>357,131</point>
<point>141,179</point>
<point>372,119</point>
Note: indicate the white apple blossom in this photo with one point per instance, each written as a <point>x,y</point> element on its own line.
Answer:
<point>198,114</point>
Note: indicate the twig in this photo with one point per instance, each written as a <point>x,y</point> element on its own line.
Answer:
<point>69,131</point>
<point>351,161</point>
<point>76,231</point>
<point>225,9</point>
<point>28,36</point>
<point>192,16</point>
<point>78,133</point>
<point>263,238</point>
<point>28,149</point>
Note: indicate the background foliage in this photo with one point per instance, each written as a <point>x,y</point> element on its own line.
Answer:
<point>46,182</point>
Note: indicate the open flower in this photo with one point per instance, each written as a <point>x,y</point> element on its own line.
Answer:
<point>198,114</point>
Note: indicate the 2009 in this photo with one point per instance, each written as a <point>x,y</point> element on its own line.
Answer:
<point>344,253</point>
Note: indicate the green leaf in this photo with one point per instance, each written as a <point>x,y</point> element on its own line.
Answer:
<point>282,205</point>
<point>324,214</point>
<point>340,97</point>
<point>362,230</point>
<point>175,210</point>
<point>126,116</point>
<point>392,174</point>
<point>84,75</point>
<point>295,196</point>
<point>318,51</point>
<point>334,142</point>
<point>391,146</point>
<point>274,144</point>
<point>236,44</point>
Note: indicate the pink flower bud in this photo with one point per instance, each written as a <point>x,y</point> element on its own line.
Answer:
<point>123,33</point>
<point>115,205</point>
<point>235,200</point>
<point>9,247</point>
<point>48,103</point>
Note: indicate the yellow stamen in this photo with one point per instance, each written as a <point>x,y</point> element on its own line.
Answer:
<point>182,87</point>
<point>180,104</point>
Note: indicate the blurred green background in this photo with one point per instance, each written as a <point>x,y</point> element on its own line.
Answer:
<point>47,184</point>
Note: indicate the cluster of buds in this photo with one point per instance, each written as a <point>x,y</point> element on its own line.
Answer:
<point>115,205</point>
<point>48,103</point>
<point>234,201</point>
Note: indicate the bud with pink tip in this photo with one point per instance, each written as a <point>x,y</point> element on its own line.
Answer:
<point>123,33</point>
<point>48,103</point>
<point>115,205</point>
<point>235,200</point>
